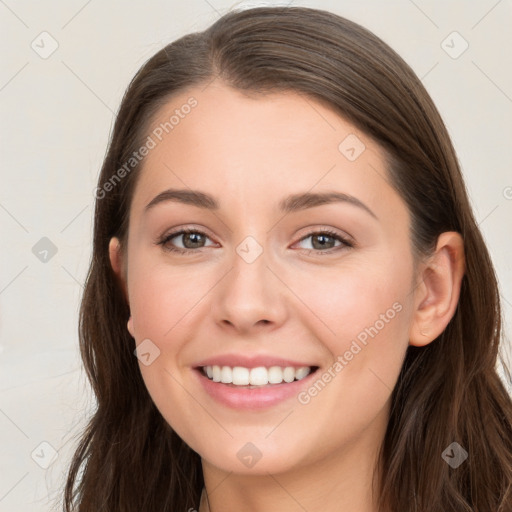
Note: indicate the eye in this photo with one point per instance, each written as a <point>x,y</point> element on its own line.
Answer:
<point>324,240</point>
<point>191,239</point>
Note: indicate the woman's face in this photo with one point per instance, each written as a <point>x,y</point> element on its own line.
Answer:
<point>300,256</point>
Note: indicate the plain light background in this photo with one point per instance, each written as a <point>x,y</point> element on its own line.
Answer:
<point>57,113</point>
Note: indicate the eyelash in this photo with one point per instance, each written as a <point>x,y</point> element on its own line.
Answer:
<point>166,239</point>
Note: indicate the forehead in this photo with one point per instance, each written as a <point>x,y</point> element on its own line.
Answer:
<point>257,148</point>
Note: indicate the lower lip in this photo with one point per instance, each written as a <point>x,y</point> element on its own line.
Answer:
<point>252,398</point>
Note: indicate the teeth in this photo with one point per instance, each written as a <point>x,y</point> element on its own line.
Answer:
<point>259,376</point>
<point>226,375</point>
<point>289,374</point>
<point>275,375</point>
<point>300,373</point>
<point>216,373</point>
<point>240,376</point>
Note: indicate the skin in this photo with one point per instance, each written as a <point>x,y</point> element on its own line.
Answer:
<point>250,153</point>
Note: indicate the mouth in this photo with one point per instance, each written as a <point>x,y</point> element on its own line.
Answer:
<point>255,378</point>
<point>254,383</point>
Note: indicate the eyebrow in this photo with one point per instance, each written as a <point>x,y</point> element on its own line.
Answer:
<point>292,203</point>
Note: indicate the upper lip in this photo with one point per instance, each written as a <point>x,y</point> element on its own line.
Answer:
<point>247,361</point>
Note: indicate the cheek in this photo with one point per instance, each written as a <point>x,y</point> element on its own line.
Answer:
<point>161,298</point>
<point>361,314</point>
<point>164,304</point>
<point>360,300</point>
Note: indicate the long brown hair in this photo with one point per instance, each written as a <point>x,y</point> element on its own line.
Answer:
<point>129,458</point>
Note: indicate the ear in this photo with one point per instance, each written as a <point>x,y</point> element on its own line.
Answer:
<point>116,261</point>
<point>118,266</point>
<point>437,295</point>
<point>115,254</point>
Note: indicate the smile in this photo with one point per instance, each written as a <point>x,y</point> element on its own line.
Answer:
<point>256,388</point>
<point>258,376</point>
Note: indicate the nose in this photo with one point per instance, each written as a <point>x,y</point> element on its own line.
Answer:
<point>250,297</point>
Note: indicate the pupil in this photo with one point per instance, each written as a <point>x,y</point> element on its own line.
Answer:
<point>193,235</point>
<point>321,245</point>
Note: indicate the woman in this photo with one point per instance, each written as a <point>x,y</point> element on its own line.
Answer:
<point>290,305</point>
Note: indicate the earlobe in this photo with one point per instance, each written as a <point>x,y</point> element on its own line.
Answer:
<point>437,296</point>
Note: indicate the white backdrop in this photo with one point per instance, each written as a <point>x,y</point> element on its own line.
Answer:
<point>65,66</point>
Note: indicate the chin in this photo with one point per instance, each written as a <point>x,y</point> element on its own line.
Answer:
<point>252,458</point>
